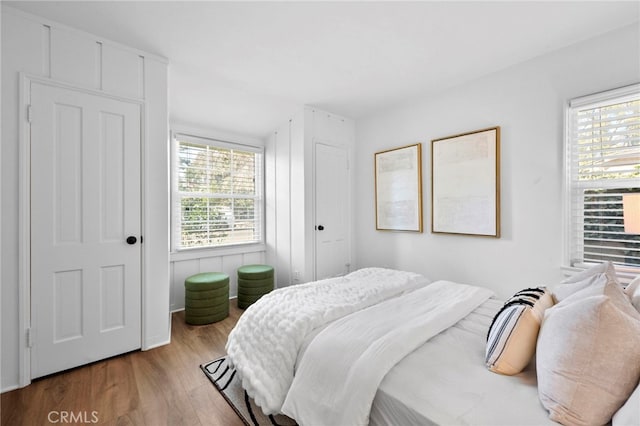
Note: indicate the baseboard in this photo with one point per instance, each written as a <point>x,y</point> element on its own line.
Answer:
<point>9,388</point>
<point>157,345</point>
<point>157,340</point>
<point>173,311</point>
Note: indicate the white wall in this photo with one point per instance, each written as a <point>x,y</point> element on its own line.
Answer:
<point>228,260</point>
<point>528,102</point>
<point>290,183</point>
<point>45,49</point>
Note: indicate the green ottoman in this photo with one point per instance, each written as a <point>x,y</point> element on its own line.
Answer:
<point>254,281</point>
<point>206,298</point>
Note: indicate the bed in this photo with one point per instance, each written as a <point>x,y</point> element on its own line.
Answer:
<point>456,372</point>
<point>380,347</point>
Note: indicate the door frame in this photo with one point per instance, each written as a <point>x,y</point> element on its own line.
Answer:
<point>24,212</point>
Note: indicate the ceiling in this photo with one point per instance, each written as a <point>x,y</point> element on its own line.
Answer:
<point>247,66</point>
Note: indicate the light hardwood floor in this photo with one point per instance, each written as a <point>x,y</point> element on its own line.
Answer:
<point>162,386</point>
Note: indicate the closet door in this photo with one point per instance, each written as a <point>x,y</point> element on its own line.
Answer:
<point>332,211</point>
<point>85,228</point>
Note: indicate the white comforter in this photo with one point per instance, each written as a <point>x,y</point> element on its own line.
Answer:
<point>265,342</point>
<point>339,374</point>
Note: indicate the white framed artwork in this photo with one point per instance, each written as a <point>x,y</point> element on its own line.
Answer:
<point>398,186</point>
<point>465,183</point>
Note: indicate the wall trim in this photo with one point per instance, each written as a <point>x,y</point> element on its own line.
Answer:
<point>9,388</point>
<point>54,24</point>
<point>191,254</point>
<point>24,240</point>
<point>155,344</point>
<point>173,311</point>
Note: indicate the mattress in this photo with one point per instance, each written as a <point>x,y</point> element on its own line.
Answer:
<point>445,382</point>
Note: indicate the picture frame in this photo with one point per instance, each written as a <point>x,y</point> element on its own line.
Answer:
<point>398,188</point>
<point>465,183</point>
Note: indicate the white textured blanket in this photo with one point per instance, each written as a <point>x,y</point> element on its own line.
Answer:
<point>339,374</point>
<point>264,344</point>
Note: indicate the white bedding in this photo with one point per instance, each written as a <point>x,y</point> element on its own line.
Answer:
<point>265,342</point>
<point>339,374</point>
<point>445,382</point>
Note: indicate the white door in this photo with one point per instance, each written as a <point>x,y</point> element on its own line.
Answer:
<point>85,203</point>
<point>332,211</point>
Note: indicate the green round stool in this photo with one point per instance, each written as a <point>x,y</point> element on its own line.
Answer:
<point>254,281</point>
<point>206,298</point>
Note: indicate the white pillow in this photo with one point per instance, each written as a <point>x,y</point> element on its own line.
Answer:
<point>633,291</point>
<point>629,414</point>
<point>596,275</point>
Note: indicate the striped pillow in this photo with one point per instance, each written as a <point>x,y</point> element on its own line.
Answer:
<point>512,336</point>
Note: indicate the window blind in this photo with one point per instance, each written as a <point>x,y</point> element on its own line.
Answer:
<point>604,163</point>
<point>217,199</point>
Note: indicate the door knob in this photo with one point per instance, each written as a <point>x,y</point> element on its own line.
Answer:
<point>131,240</point>
<point>320,228</point>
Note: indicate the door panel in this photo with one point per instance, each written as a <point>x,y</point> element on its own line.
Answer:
<point>85,201</point>
<point>332,211</point>
<point>67,174</point>
<point>112,188</point>
<point>67,303</point>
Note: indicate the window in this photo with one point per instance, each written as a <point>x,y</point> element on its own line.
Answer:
<point>217,193</point>
<point>603,148</point>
